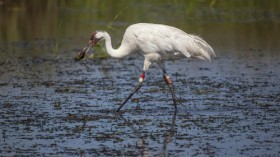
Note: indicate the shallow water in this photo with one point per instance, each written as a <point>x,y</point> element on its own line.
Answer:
<point>54,106</point>
<point>229,107</point>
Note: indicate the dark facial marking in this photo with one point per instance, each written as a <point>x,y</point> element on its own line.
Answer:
<point>92,36</point>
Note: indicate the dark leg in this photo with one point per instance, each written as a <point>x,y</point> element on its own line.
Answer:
<point>169,83</point>
<point>171,87</point>
<point>135,89</point>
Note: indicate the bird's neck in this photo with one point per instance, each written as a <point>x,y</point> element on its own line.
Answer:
<point>122,51</point>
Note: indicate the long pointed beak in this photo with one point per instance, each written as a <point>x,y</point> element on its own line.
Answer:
<point>86,49</point>
<point>91,43</point>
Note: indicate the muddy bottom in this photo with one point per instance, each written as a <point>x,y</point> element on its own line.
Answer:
<point>53,106</point>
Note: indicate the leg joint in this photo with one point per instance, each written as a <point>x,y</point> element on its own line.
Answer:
<point>167,79</point>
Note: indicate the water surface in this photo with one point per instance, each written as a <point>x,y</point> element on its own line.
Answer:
<point>51,105</point>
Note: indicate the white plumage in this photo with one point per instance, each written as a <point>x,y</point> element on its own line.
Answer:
<point>169,42</point>
<point>156,42</point>
<point>160,41</point>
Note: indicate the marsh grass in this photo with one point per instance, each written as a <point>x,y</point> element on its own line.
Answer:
<point>70,22</point>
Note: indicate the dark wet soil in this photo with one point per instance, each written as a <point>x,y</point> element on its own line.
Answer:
<point>54,106</point>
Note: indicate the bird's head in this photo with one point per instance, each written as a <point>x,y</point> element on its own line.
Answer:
<point>96,37</point>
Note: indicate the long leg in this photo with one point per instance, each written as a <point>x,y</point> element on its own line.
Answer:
<point>135,89</point>
<point>169,82</point>
<point>138,86</point>
<point>171,87</point>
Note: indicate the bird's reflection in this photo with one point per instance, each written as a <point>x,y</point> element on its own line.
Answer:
<point>171,132</point>
<point>144,150</point>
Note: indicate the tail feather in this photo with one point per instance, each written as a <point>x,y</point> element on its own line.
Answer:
<point>200,48</point>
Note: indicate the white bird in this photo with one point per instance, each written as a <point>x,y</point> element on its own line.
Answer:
<point>156,42</point>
